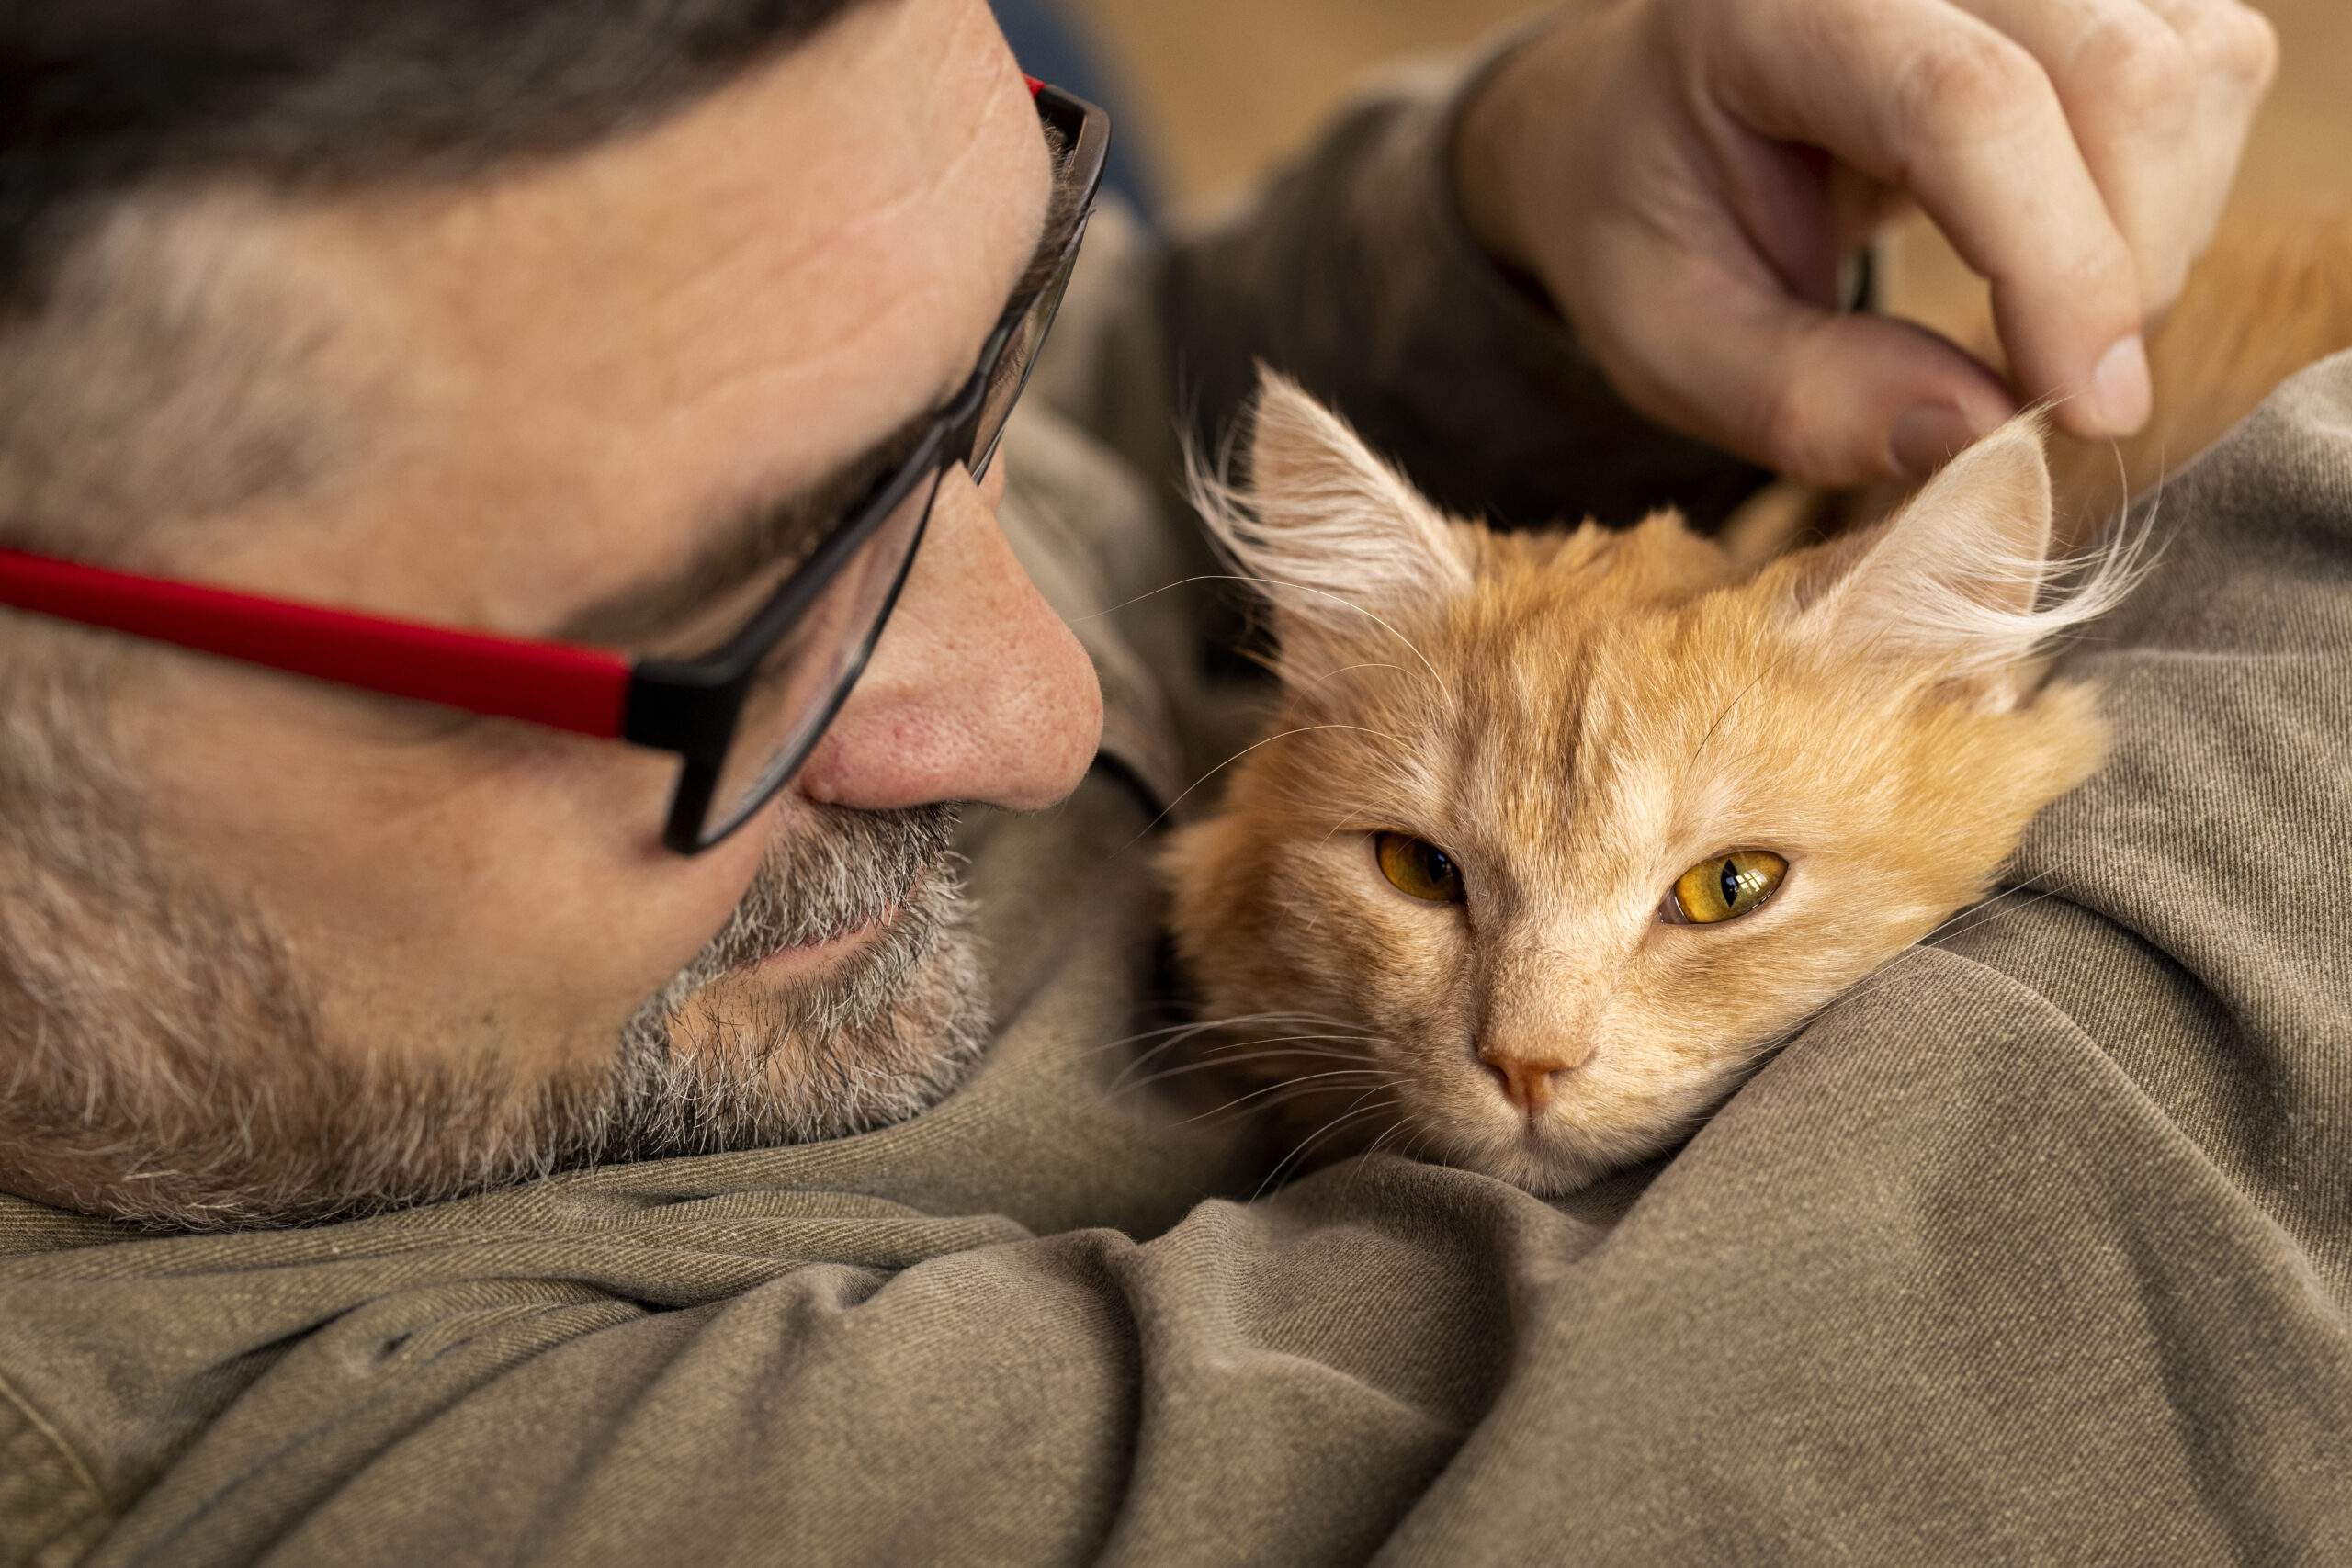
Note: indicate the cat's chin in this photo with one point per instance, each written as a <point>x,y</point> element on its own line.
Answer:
<point>1547,1164</point>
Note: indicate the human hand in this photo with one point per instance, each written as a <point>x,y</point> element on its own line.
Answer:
<point>1683,177</point>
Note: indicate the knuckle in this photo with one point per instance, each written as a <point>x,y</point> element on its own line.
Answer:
<point>2244,44</point>
<point>2093,266</point>
<point>2142,67</point>
<point>1781,420</point>
<point>1965,84</point>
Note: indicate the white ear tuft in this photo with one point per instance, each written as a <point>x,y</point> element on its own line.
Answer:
<point>1964,571</point>
<point>1326,530</point>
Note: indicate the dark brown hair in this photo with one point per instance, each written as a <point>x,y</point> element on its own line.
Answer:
<point>101,95</point>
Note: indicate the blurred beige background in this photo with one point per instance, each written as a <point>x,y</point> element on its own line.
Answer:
<point>1232,84</point>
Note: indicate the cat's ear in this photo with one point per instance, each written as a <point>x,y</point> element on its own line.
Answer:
<point>1957,575</point>
<point>1326,530</point>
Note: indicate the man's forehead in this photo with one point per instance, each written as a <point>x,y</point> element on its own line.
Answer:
<point>588,360</point>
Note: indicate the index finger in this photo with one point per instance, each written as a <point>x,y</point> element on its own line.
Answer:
<point>1924,97</point>
<point>2161,94</point>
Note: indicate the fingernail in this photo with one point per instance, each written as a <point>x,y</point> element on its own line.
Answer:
<point>1924,438</point>
<point>2122,394</point>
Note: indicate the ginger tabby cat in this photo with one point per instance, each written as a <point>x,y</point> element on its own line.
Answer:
<point>1556,835</point>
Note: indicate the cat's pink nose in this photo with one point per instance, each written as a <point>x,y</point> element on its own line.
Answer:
<point>1530,1083</point>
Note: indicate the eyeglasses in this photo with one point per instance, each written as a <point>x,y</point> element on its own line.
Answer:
<point>742,717</point>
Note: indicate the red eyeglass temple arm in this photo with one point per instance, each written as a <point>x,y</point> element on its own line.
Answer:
<point>584,690</point>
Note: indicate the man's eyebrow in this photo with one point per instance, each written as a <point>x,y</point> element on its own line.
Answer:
<point>754,539</point>
<point>759,535</point>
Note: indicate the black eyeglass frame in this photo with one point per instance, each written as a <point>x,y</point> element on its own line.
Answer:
<point>694,707</point>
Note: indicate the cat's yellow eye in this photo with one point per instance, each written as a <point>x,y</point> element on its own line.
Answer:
<point>1728,887</point>
<point>1419,868</point>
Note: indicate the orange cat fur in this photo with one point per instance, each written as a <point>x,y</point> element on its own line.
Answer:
<point>1577,718</point>
<point>2272,295</point>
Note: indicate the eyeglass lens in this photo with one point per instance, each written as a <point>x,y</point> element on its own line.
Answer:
<point>1014,365</point>
<point>799,685</point>
<point>808,674</point>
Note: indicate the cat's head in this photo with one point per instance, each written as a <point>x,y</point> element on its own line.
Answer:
<point>1556,833</point>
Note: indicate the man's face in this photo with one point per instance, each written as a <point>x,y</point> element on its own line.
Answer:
<point>576,384</point>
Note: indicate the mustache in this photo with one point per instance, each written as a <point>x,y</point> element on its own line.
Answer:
<point>836,871</point>
<point>887,1035</point>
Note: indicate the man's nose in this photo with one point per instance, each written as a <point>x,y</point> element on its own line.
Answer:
<point>976,690</point>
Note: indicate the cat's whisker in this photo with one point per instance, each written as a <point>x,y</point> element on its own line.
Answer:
<point>1329,1028</point>
<point>1411,1146</point>
<point>1359,1034</point>
<point>1737,697</point>
<point>1130,1081</point>
<point>1337,828</point>
<point>1190,1068</point>
<point>1343,1032</point>
<point>1266,582</point>
<point>1249,1058</point>
<point>1322,1020</point>
<point>1279,735</point>
<point>1295,1089</point>
<point>1876,979</point>
<point>1156,592</point>
<point>1316,1079</point>
<point>1373,1148</point>
<point>1345,669</point>
<point>1146,1057</point>
<point>1279,1019</point>
<point>1345,602</point>
<point>2001,905</point>
<point>1173,1033</point>
<point>1228,1056</point>
<point>1355,1113</point>
<point>1292,1097</point>
<point>1253,1050</point>
<point>1150,1053</point>
<point>1237,1021</point>
<point>2011,899</point>
<point>1275,1103</point>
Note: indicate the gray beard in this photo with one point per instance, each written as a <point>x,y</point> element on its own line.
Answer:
<point>888,1037</point>
<point>178,1081</point>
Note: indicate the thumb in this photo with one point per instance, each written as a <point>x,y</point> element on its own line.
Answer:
<point>1821,398</point>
